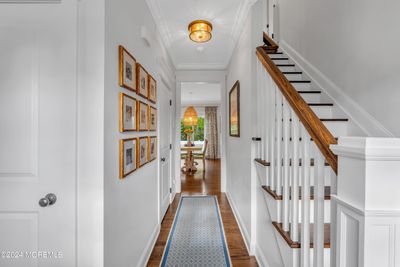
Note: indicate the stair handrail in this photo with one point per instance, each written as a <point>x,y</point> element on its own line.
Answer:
<point>322,137</point>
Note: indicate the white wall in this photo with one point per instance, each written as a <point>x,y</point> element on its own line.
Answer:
<point>90,180</point>
<point>355,45</point>
<point>131,205</point>
<point>243,188</point>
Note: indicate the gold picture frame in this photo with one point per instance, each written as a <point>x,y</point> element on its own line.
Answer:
<point>127,69</point>
<point>234,110</point>
<point>128,156</point>
<point>152,118</point>
<point>127,113</point>
<point>143,151</point>
<point>152,148</point>
<point>142,116</point>
<point>142,81</point>
<point>152,89</point>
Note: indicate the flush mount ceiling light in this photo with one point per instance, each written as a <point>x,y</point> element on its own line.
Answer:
<point>200,31</point>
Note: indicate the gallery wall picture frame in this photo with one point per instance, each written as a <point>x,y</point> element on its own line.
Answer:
<point>152,89</point>
<point>127,69</point>
<point>234,110</point>
<point>128,156</point>
<point>143,153</point>
<point>152,148</point>
<point>142,116</point>
<point>142,81</point>
<point>127,113</point>
<point>152,118</point>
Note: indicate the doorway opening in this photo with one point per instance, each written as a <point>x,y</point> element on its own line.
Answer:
<point>200,138</point>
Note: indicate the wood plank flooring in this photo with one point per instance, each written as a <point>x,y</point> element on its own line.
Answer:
<point>206,183</point>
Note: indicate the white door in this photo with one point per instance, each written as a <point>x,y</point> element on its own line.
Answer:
<point>165,149</point>
<point>37,133</point>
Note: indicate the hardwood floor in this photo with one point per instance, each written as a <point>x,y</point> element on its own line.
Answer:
<point>206,183</point>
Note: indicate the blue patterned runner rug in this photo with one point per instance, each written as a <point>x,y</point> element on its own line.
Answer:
<point>197,235</point>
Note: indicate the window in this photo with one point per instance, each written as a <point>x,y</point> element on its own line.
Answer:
<point>198,134</point>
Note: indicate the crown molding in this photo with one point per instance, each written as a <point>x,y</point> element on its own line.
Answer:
<point>201,66</point>
<point>155,10</point>
<point>30,1</point>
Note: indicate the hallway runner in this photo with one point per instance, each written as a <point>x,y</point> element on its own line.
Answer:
<point>197,236</point>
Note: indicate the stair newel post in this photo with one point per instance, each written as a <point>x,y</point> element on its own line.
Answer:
<point>295,179</point>
<point>286,167</point>
<point>272,127</point>
<point>305,199</point>
<point>319,208</point>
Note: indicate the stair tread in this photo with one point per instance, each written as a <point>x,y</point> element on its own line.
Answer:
<point>342,119</point>
<point>292,72</point>
<point>320,104</point>
<point>309,92</point>
<point>300,81</point>
<point>293,244</point>
<point>279,58</point>
<point>280,197</point>
<point>262,162</point>
<point>275,53</point>
<point>285,65</point>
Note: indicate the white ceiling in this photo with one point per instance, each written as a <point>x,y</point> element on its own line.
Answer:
<point>173,17</point>
<point>200,94</point>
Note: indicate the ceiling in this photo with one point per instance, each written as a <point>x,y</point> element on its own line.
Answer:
<point>173,17</point>
<point>200,94</point>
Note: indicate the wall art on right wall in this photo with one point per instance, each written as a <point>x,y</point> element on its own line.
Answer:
<point>234,110</point>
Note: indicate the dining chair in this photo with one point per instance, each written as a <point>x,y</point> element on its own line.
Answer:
<point>202,155</point>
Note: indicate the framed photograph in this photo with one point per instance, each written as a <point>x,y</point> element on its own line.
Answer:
<point>152,148</point>
<point>152,119</point>
<point>128,149</point>
<point>143,154</point>
<point>127,113</point>
<point>127,69</point>
<point>143,116</point>
<point>142,81</point>
<point>152,89</point>
<point>234,110</point>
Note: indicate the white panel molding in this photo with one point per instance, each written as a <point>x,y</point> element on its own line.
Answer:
<point>34,123</point>
<point>260,257</point>
<point>359,115</point>
<point>144,258</point>
<point>242,228</point>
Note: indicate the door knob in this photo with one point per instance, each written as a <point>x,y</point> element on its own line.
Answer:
<point>163,159</point>
<point>48,200</point>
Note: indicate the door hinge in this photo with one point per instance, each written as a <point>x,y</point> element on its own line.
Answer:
<point>170,102</point>
<point>272,36</point>
<point>170,189</point>
<point>170,146</point>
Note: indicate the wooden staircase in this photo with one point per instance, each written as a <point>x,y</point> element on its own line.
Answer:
<point>297,123</point>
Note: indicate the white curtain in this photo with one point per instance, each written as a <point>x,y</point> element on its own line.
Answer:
<point>211,128</point>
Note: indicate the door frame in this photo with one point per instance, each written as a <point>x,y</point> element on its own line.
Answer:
<point>216,76</point>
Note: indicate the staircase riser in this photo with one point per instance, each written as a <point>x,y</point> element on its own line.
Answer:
<point>337,128</point>
<point>276,55</point>
<point>294,77</point>
<point>311,98</point>
<point>281,61</point>
<point>302,86</point>
<point>287,69</point>
<point>323,111</point>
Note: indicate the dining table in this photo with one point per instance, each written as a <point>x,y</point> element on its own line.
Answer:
<point>189,165</point>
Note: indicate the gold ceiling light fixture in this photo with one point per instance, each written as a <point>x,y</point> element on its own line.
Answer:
<point>200,31</point>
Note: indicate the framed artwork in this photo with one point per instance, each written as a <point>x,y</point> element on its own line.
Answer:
<point>127,69</point>
<point>152,89</point>
<point>143,154</point>
<point>127,113</point>
<point>152,148</point>
<point>128,149</point>
<point>142,81</point>
<point>152,119</point>
<point>234,110</point>
<point>143,116</point>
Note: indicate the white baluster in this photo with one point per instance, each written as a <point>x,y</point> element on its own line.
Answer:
<point>286,167</point>
<point>295,179</point>
<point>272,135</point>
<point>319,198</point>
<point>305,198</point>
<point>278,170</point>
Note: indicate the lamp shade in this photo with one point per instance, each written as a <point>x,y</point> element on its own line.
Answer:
<point>190,117</point>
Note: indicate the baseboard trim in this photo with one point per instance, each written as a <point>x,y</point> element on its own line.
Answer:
<point>149,247</point>
<point>260,257</point>
<point>358,114</point>
<point>242,228</point>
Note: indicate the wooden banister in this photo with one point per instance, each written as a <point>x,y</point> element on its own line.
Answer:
<point>270,44</point>
<point>316,129</point>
